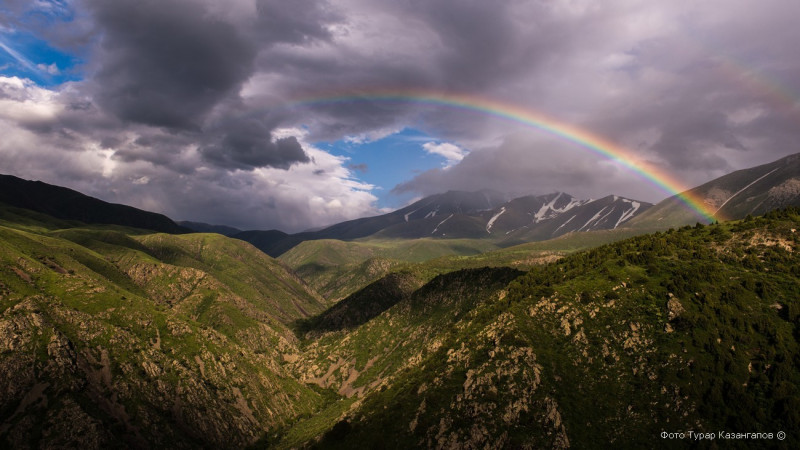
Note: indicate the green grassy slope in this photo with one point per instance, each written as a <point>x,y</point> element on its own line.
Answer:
<point>116,339</point>
<point>336,269</point>
<point>382,352</point>
<point>694,329</point>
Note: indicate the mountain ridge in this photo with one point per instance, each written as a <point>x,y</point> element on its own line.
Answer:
<point>472,215</point>
<point>754,191</point>
<point>65,203</point>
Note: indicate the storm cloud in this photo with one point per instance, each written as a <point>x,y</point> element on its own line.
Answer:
<point>194,108</point>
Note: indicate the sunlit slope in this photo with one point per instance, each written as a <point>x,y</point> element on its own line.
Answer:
<point>336,268</point>
<point>339,268</point>
<point>113,339</point>
<point>693,329</point>
<point>753,191</point>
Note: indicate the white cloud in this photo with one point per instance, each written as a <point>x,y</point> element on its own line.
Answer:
<point>51,69</point>
<point>37,144</point>
<point>452,153</point>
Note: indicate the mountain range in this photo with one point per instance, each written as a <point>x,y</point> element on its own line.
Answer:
<point>113,336</point>
<point>488,215</point>
<point>469,215</point>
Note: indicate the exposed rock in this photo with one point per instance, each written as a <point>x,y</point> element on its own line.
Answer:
<point>674,308</point>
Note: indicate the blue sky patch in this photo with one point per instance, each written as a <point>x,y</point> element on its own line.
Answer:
<point>24,55</point>
<point>388,162</point>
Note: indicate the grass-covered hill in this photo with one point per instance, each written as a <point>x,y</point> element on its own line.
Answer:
<point>337,269</point>
<point>64,203</point>
<point>690,329</point>
<point>118,337</point>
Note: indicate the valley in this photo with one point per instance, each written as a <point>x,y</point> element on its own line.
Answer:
<point>148,339</point>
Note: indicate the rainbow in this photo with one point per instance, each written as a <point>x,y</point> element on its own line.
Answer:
<point>531,118</point>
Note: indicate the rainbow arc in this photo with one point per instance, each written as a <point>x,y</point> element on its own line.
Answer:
<point>531,118</point>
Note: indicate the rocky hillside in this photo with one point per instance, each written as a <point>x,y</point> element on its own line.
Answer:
<point>695,329</point>
<point>112,337</point>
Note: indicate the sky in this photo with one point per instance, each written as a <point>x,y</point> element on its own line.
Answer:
<point>264,114</point>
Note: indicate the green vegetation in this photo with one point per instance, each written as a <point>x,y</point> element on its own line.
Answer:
<point>157,340</point>
<point>337,269</point>
<point>690,329</point>
<point>147,339</point>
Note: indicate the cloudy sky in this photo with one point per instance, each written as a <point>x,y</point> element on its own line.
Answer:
<point>257,113</point>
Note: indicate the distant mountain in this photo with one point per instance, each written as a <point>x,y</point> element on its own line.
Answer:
<point>201,227</point>
<point>529,218</point>
<point>64,203</point>
<point>471,215</point>
<point>272,243</point>
<point>269,241</point>
<point>751,191</point>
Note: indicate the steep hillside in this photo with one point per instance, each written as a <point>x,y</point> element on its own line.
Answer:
<point>118,337</point>
<point>110,339</point>
<point>753,191</point>
<point>336,269</point>
<point>695,329</point>
<point>63,203</point>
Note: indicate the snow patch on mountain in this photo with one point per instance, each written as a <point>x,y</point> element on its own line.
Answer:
<point>568,221</point>
<point>629,212</point>
<point>549,210</point>
<point>440,223</point>
<point>408,214</point>
<point>593,219</point>
<point>494,217</point>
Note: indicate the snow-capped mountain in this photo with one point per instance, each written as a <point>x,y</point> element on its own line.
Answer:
<point>549,216</point>
<point>535,217</point>
<point>477,215</point>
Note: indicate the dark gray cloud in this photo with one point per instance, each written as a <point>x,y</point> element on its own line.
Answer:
<point>189,107</point>
<point>167,63</point>
<point>181,65</point>
<point>249,144</point>
<point>295,22</point>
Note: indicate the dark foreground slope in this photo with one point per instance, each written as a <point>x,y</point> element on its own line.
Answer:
<point>64,203</point>
<point>695,329</point>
